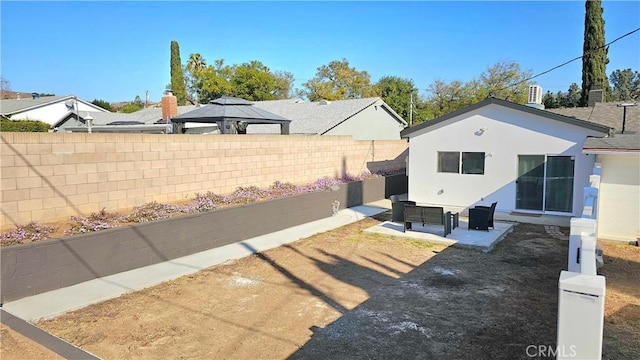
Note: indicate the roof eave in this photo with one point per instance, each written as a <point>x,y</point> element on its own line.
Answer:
<point>406,133</point>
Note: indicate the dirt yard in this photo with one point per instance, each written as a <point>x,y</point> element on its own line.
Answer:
<point>346,294</point>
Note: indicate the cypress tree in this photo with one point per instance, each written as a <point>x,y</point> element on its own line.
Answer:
<point>178,85</point>
<point>594,54</point>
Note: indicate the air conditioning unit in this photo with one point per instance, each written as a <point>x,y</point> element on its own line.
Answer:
<point>535,94</point>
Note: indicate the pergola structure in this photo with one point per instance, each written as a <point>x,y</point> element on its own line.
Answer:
<point>232,115</point>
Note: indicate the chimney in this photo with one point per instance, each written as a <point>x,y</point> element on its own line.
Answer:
<point>534,97</point>
<point>595,96</point>
<point>169,106</point>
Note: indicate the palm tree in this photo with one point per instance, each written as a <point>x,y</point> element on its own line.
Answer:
<point>195,65</point>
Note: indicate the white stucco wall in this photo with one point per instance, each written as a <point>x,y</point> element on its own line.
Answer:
<point>53,112</point>
<point>509,133</point>
<point>619,197</point>
<point>373,123</point>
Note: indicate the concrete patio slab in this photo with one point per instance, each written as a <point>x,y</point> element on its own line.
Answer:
<point>460,236</point>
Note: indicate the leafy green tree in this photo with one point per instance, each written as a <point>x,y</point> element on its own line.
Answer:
<point>447,97</point>
<point>255,82</point>
<point>625,85</point>
<point>572,98</point>
<point>192,72</point>
<point>504,80</point>
<point>338,81</point>
<point>7,125</point>
<point>549,100</point>
<point>178,85</point>
<point>397,93</point>
<point>131,107</point>
<point>284,84</point>
<point>103,104</point>
<point>594,52</point>
<point>251,81</point>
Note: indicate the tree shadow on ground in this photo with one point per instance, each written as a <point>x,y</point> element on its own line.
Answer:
<point>460,304</point>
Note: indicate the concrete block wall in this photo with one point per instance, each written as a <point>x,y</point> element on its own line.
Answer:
<point>49,177</point>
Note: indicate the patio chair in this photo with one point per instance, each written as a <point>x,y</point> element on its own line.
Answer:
<point>397,208</point>
<point>481,217</point>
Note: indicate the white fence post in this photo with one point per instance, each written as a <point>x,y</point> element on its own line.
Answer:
<point>580,227</point>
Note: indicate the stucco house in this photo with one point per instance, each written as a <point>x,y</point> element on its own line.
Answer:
<point>619,158</point>
<point>525,158</point>
<point>48,109</point>
<point>363,119</point>
<point>152,120</point>
<point>619,195</point>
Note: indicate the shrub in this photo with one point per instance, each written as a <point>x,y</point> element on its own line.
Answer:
<point>26,233</point>
<point>23,126</point>
<point>152,211</point>
<point>94,222</point>
<point>206,202</point>
<point>246,195</point>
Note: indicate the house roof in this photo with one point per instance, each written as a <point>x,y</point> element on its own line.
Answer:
<point>317,117</point>
<point>550,115</point>
<point>145,116</point>
<point>615,143</point>
<point>9,107</point>
<point>608,114</point>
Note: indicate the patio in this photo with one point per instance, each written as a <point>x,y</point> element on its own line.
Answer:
<point>460,236</point>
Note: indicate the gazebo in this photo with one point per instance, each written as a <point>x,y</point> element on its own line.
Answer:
<point>232,115</point>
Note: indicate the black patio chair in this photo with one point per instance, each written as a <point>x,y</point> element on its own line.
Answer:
<point>481,217</point>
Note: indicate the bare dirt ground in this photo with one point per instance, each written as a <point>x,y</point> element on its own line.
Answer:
<point>346,294</point>
<point>16,346</point>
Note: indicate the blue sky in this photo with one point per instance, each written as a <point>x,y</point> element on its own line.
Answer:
<point>116,50</point>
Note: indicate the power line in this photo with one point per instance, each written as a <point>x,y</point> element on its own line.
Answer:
<point>568,62</point>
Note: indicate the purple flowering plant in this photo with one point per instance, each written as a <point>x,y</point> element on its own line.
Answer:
<point>202,202</point>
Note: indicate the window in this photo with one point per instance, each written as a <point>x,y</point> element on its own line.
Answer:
<point>473,163</point>
<point>450,162</point>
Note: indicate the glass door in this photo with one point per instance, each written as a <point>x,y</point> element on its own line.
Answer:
<point>559,184</point>
<point>545,183</point>
<point>530,182</point>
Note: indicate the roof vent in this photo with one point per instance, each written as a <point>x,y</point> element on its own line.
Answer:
<point>324,102</point>
<point>534,97</point>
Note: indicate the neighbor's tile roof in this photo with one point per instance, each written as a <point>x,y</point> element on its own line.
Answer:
<point>608,114</point>
<point>614,143</point>
<point>316,117</point>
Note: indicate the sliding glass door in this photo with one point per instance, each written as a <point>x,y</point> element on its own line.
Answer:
<point>545,183</point>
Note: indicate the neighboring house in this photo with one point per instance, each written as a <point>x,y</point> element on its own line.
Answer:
<point>48,109</point>
<point>146,121</point>
<point>526,159</point>
<point>619,194</point>
<point>363,119</point>
<point>619,158</point>
<point>149,120</point>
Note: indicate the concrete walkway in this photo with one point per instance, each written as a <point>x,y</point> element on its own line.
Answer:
<point>57,302</point>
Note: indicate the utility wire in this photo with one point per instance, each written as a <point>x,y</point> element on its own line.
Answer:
<point>568,62</point>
